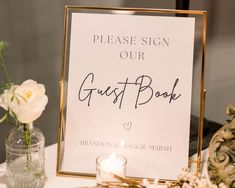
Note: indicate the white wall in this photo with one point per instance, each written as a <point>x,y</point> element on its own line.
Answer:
<point>220,59</point>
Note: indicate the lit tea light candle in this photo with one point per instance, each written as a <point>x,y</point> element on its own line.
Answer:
<point>107,166</point>
<point>112,165</point>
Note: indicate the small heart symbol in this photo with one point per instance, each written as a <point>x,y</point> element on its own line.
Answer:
<point>127,126</point>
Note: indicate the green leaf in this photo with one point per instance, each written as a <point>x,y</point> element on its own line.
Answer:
<point>3,118</point>
<point>3,45</point>
<point>12,114</point>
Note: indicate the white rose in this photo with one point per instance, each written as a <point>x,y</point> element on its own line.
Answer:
<point>6,96</point>
<point>27,101</point>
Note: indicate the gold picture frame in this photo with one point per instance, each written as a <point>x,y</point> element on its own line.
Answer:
<point>63,84</point>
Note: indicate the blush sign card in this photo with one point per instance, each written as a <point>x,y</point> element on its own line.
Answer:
<point>129,92</point>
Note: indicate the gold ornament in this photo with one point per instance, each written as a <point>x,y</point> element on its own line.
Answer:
<point>221,161</point>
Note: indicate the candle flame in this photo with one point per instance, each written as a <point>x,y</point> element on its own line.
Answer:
<point>113,156</point>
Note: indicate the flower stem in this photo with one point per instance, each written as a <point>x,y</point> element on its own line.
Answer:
<point>3,46</point>
<point>4,68</point>
<point>27,134</point>
<point>27,137</point>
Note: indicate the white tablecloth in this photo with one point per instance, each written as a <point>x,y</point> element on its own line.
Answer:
<point>54,181</point>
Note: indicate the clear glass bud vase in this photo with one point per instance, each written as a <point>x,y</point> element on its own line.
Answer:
<point>25,157</point>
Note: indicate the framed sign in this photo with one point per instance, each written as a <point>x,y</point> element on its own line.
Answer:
<point>126,87</point>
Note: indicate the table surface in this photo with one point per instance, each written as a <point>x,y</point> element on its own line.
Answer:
<point>54,181</point>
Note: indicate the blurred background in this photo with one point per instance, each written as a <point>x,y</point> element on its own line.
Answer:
<point>34,30</point>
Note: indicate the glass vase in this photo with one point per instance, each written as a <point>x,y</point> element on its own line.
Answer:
<point>25,157</point>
